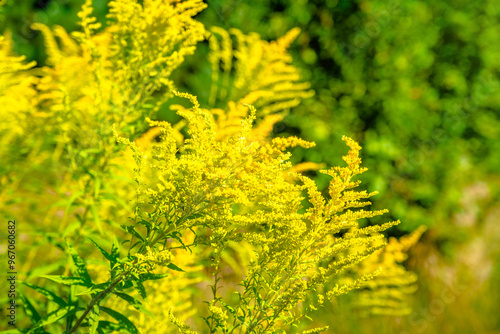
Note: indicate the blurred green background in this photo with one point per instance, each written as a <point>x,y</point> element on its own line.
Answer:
<point>417,84</point>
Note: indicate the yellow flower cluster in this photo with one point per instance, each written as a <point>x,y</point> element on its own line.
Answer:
<point>388,293</point>
<point>19,115</point>
<point>149,261</point>
<point>63,114</point>
<point>254,72</point>
<point>235,189</point>
<point>123,70</point>
<point>263,74</point>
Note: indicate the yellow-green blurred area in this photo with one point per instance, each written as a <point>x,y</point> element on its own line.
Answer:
<point>417,84</point>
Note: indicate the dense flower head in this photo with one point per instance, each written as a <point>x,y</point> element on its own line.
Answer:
<point>388,292</point>
<point>238,189</point>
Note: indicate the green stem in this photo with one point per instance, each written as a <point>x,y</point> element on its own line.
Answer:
<point>100,296</point>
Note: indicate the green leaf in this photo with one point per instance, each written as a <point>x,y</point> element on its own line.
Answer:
<point>108,256</point>
<point>174,267</point>
<point>108,327</point>
<point>97,220</point>
<point>130,229</point>
<point>71,200</point>
<point>48,294</point>
<point>66,280</point>
<point>94,288</point>
<point>115,250</point>
<point>229,308</point>
<point>43,270</point>
<point>29,309</point>
<point>140,288</point>
<point>194,216</point>
<point>124,322</point>
<point>135,244</point>
<point>149,276</point>
<point>78,264</point>
<point>94,319</point>
<point>178,236</point>
<point>207,321</point>
<point>145,223</point>
<point>71,228</point>
<point>124,285</point>
<point>53,317</point>
<point>134,302</point>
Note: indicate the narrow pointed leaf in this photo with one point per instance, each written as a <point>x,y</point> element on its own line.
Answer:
<point>140,288</point>
<point>79,265</point>
<point>131,230</point>
<point>71,228</point>
<point>97,220</point>
<point>149,276</point>
<point>134,302</point>
<point>108,327</point>
<point>124,322</point>
<point>107,255</point>
<point>29,309</point>
<point>94,288</point>
<point>66,280</point>
<point>53,317</point>
<point>115,250</point>
<point>174,267</point>
<point>48,294</point>
<point>44,270</point>
<point>94,319</point>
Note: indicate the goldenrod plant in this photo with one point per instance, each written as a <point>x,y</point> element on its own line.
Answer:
<point>263,74</point>
<point>387,294</point>
<point>147,210</point>
<point>236,191</point>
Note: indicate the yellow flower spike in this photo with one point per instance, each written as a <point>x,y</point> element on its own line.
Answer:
<point>263,74</point>
<point>316,330</point>
<point>286,40</point>
<point>237,189</point>
<point>389,292</point>
<point>68,45</point>
<point>54,55</point>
